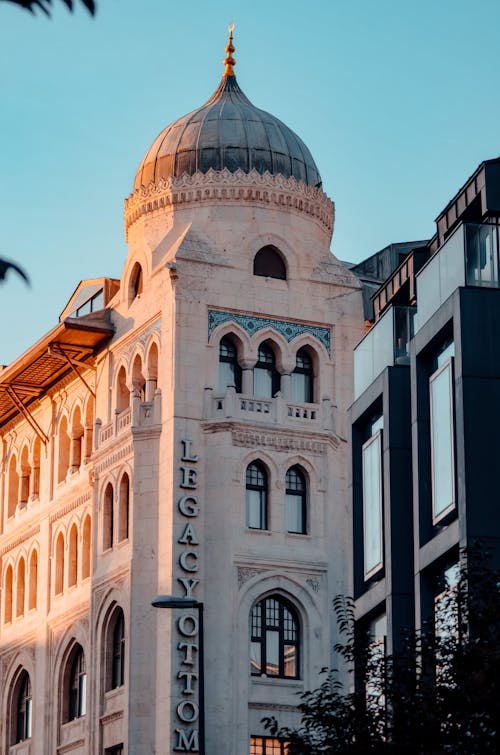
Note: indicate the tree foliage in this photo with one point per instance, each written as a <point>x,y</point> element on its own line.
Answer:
<point>439,695</point>
<point>46,5</point>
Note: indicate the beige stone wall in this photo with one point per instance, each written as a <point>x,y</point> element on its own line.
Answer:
<point>156,385</point>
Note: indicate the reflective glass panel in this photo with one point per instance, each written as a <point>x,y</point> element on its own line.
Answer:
<point>372,503</point>
<point>441,411</point>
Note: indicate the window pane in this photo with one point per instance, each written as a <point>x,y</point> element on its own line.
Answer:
<point>442,441</point>
<point>290,660</point>
<point>226,375</point>
<point>83,695</point>
<point>372,503</point>
<point>28,718</point>
<point>293,513</point>
<point>299,387</point>
<point>262,383</point>
<point>255,509</point>
<point>255,658</point>
<point>272,653</point>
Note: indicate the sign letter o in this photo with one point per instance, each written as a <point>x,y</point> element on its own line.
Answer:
<point>184,625</point>
<point>188,711</point>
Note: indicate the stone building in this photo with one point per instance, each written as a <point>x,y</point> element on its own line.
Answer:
<point>182,431</point>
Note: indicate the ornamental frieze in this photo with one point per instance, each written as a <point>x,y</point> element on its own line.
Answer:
<point>253,324</point>
<point>225,186</point>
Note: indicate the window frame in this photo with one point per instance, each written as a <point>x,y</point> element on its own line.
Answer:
<point>262,489</point>
<point>23,709</point>
<point>308,372</point>
<point>270,254</point>
<point>377,437</point>
<point>267,366</point>
<point>262,638</point>
<point>448,365</point>
<point>77,685</point>
<point>263,741</point>
<point>302,494</point>
<point>224,359</point>
<point>117,637</point>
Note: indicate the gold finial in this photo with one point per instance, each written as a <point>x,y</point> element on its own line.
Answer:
<point>229,61</point>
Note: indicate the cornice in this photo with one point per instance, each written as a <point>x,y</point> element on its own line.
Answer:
<point>224,187</point>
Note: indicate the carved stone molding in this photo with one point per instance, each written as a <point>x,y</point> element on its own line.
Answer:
<point>74,504</point>
<point>26,535</point>
<point>247,572</point>
<point>313,583</point>
<point>112,459</point>
<point>229,188</point>
<point>277,442</point>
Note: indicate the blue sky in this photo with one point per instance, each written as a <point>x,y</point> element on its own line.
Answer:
<point>397,101</point>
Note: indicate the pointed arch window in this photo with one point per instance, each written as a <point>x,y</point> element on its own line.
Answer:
<point>266,378</point>
<point>33,581</point>
<point>303,378</point>
<point>73,557</point>
<point>59,586</point>
<point>274,638</point>
<point>136,282</point>
<point>295,501</point>
<point>269,263</point>
<point>116,650</point>
<point>7,610</point>
<point>86,545</point>
<point>256,496</point>
<point>23,709</point>
<point>107,519</point>
<point>124,508</point>
<point>77,685</point>
<point>229,369</point>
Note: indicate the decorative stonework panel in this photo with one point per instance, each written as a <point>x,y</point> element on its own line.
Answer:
<point>252,439</point>
<point>247,572</point>
<point>286,328</point>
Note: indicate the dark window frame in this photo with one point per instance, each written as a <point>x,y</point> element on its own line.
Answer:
<point>266,361</point>
<point>266,743</point>
<point>261,624</point>
<point>269,263</point>
<point>77,685</point>
<point>23,709</point>
<point>117,636</point>
<point>253,484</point>
<point>300,369</point>
<point>227,344</point>
<point>292,489</point>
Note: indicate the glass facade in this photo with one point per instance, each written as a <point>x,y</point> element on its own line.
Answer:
<point>442,445</point>
<point>372,504</point>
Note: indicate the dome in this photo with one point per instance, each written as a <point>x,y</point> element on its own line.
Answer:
<point>227,132</point>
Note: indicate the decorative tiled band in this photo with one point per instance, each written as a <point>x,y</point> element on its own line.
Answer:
<point>251,325</point>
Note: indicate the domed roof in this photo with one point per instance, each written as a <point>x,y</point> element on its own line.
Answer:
<point>228,132</point>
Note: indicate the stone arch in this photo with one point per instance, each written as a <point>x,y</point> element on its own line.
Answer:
<point>8,593</point>
<point>72,644</point>
<point>76,438</point>
<point>20,665</point>
<point>86,546</point>
<point>13,485</point>
<point>24,475</point>
<point>279,345</point>
<point>63,448</point>
<point>280,243</point>
<point>135,281</point>
<point>270,262</point>
<point>137,374</point>
<point>108,515</point>
<point>124,500</point>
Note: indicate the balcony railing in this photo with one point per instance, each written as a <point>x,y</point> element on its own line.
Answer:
<point>278,410</point>
<point>385,344</point>
<point>139,414</point>
<point>469,257</point>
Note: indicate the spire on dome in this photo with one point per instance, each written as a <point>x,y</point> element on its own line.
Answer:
<point>229,61</point>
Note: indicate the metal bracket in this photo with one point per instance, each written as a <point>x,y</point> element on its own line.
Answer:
<point>56,350</point>
<point>26,414</point>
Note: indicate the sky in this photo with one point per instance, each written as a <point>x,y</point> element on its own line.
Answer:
<point>396,99</point>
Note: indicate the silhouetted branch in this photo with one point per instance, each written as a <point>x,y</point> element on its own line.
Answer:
<point>45,5</point>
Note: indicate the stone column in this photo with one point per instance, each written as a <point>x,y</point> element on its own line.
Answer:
<point>87,443</point>
<point>286,386</point>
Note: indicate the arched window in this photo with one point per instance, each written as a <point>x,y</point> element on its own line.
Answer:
<point>136,282</point>
<point>75,690</point>
<point>275,639</point>
<point>86,548</point>
<point>269,263</point>
<point>229,369</point>
<point>13,486</point>
<point>122,391</point>
<point>24,486</point>
<point>138,379</point>
<point>88,431</point>
<point>107,519</point>
<point>21,587</point>
<point>303,378</point>
<point>116,651</point>
<point>59,584</point>
<point>152,372</point>
<point>76,441</point>
<point>295,501</point>
<point>33,581</point>
<point>256,496</point>
<point>266,378</point>
<point>123,511</point>
<point>35,472</point>
<point>63,450</point>
<point>7,608</point>
<point>73,557</point>
<point>22,710</point>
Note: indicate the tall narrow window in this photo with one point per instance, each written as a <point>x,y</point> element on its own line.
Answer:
<point>274,648</point>
<point>229,369</point>
<point>295,501</point>
<point>372,504</point>
<point>33,581</point>
<point>303,378</point>
<point>122,391</point>
<point>107,519</point>
<point>124,505</point>
<point>13,486</point>
<point>24,707</point>
<point>442,445</point>
<point>77,687</point>
<point>7,607</point>
<point>63,450</point>
<point>266,378</point>
<point>116,650</point>
<point>86,542</point>
<point>256,496</point>
<point>59,586</point>
<point>21,587</point>
<point>136,282</point>
<point>73,557</point>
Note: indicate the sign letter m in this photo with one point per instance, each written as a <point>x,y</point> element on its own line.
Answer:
<point>187,741</point>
